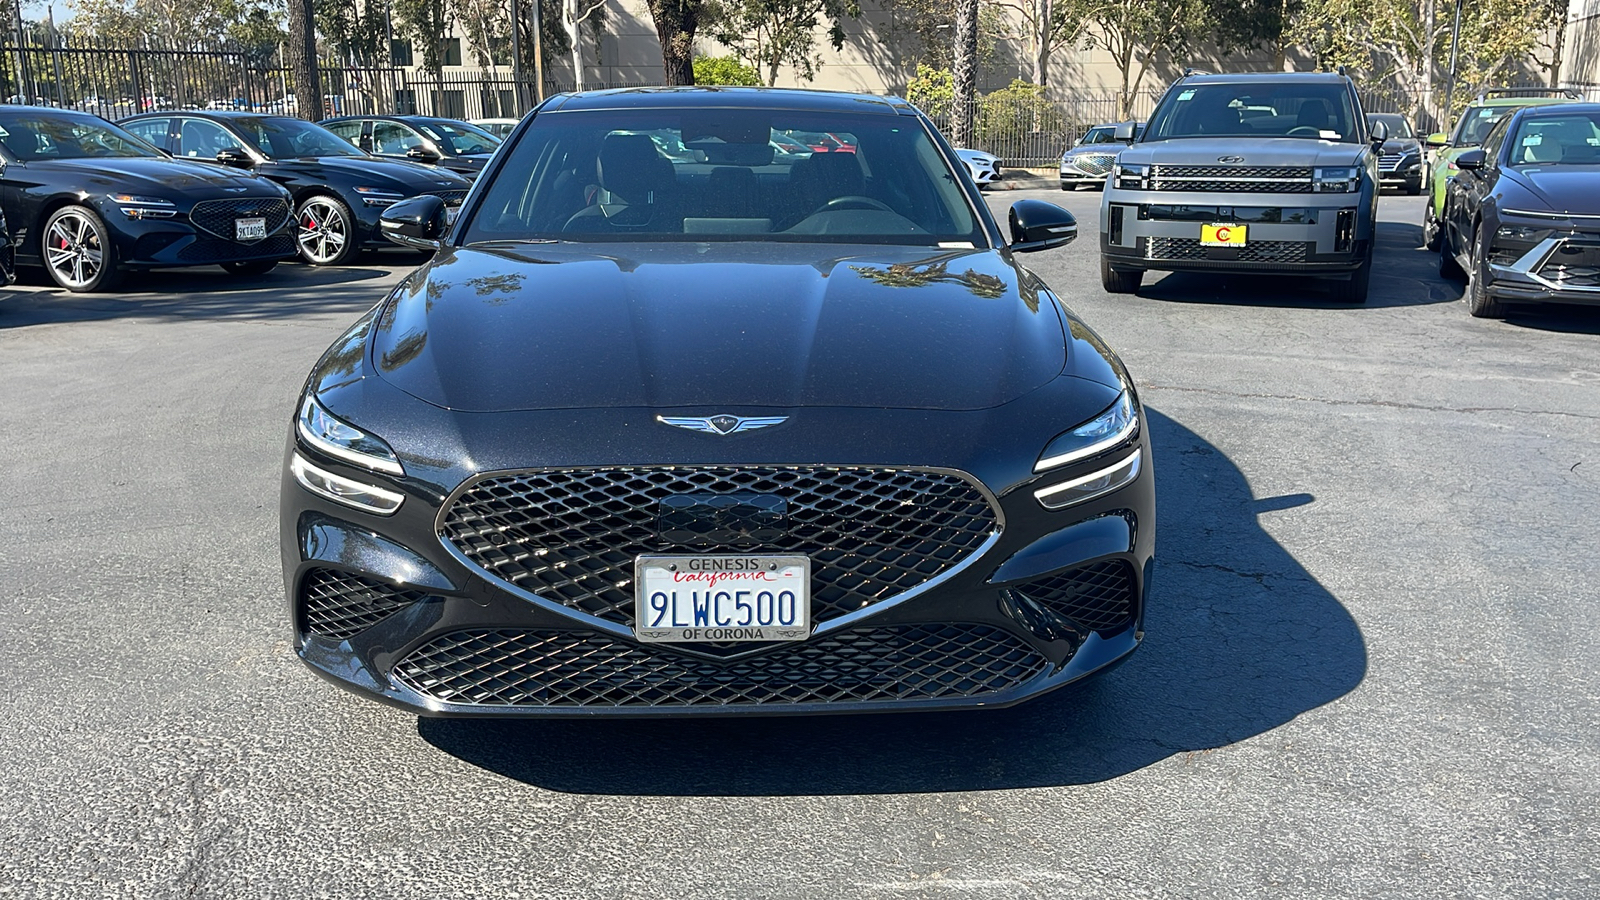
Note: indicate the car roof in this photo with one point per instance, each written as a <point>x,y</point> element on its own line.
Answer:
<point>738,97</point>
<point>1256,77</point>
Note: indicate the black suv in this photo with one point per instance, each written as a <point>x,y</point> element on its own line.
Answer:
<point>1256,173</point>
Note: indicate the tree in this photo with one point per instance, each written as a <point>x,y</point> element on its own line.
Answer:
<point>964,73</point>
<point>676,24</point>
<point>426,22</point>
<point>1550,17</point>
<point>1135,33</point>
<point>1046,28</point>
<point>573,14</point>
<point>724,70</point>
<point>769,34</point>
<point>303,60</point>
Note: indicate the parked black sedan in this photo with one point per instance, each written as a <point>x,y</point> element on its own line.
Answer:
<point>1522,216</point>
<point>87,201</point>
<point>338,190</point>
<point>1400,157</point>
<point>652,436</point>
<point>447,143</point>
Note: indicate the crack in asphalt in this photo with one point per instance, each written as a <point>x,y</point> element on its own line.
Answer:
<point>1391,404</point>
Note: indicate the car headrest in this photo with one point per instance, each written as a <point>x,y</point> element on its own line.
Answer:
<point>631,169</point>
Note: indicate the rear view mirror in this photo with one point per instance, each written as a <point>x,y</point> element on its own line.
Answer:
<point>422,155</point>
<point>1037,225</point>
<point>1379,132</point>
<point>1124,132</point>
<point>1470,160</point>
<point>1437,139</point>
<point>233,156</point>
<point>419,222</point>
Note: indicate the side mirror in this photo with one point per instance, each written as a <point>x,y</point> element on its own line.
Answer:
<point>233,156</point>
<point>1037,225</point>
<point>1436,140</point>
<point>1379,132</point>
<point>422,155</point>
<point>419,222</point>
<point>1124,132</point>
<point>1470,161</point>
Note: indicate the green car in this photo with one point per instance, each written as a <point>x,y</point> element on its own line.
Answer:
<point>1476,120</point>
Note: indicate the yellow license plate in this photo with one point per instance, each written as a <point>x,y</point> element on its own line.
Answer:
<point>1222,235</point>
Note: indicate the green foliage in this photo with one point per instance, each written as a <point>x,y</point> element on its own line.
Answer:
<point>724,70</point>
<point>1007,116</point>
<point>932,91</point>
<point>771,34</point>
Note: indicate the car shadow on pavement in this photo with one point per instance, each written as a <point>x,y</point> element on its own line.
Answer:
<point>1240,639</point>
<point>1561,317</point>
<point>200,293</point>
<point>1404,274</point>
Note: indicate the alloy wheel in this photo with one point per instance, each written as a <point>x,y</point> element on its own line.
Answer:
<point>323,231</point>
<point>73,251</point>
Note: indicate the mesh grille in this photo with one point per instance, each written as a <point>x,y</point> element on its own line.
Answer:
<point>450,198</point>
<point>581,669</point>
<point>1098,596</point>
<point>571,535</point>
<point>1389,162</point>
<point>338,604</point>
<point>212,250</point>
<point>216,216</point>
<point>1227,172</point>
<point>1094,163</point>
<point>1255,251</point>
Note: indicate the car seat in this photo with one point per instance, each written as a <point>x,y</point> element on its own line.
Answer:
<point>636,184</point>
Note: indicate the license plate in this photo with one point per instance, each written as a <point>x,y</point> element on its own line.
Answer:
<point>450,213</point>
<point>1222,235</point>
<point>250,229</point>
<point>741,598</point>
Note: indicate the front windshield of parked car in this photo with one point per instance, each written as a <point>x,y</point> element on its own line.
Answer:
<point>1475,124</point>
<point>1099,136</point>
<point>281,137</point>
<point>714,175</point>
<point>1557,139</point>
<point>34,135</point>
<point>460,138</point>
<point>1397,125</point>
<point>1296,109</point>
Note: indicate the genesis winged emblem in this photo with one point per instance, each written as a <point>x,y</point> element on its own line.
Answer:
<point>722,424</point>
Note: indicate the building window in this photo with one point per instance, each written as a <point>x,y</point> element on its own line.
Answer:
<point>400,52</point>
<point>452,51</point>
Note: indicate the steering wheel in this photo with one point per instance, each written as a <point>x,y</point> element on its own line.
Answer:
<point>1306,129</point>
<point>854,201</point>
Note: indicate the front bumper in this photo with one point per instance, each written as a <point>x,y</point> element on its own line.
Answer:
<point>1562,268</point>
<point>389,609</point>
<point>1303,233</point>
<point>200,235</point>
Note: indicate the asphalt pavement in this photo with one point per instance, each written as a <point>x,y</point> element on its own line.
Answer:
<point>1371,666</point>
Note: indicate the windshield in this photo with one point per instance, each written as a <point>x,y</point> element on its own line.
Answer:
<point>1475,124</point>
<point>713,174</point>
<point>1568,138</point>
<point>281,137</point>
<point>1398,126</point>
<point>1297,109</point>
<point>459,138</point>
<point>33,135</point>
<point>1102,135</point>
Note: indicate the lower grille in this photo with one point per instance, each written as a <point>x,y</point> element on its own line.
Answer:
<point>337,605</point>
<point>450,198</point>
<point>206,249</point>
<point>583,669</point>
<point>1389,162</point>
<point>1178,249</point>
<point>1572,265</point>
<point>217,216</point>
<point>1098,596</point>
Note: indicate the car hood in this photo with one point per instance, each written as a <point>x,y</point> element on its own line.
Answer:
<point>150,174</point>
<point>499,327</point>
<point>1401,145</point>
<point>1251,151</point>
<point>371,169</point>
<point>1102,147</point>
<point>1564,188</point>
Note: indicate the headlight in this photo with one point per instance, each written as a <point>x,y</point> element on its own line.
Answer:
<point>1092,485</point>
<point>1522,234</point>
<point>136,207</point>
<point>350,492</point>
<point>1116,424</point>
<point>1130,176</point>
<point>344,441</point>
<point>372,196</point>
<point>1335,179</point>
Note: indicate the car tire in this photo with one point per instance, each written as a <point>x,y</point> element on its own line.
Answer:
<point>251,267</point>
<point>1448,267</point>
<point>1430,228</point>
<point>325,231</point>
<point>77,251</point>
<point>1120,281</point>
<point>1479,303</point>
<point>1354,291</point>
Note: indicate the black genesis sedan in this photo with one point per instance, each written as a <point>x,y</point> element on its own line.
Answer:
<point>451,144</point>
<point>652,436</point>
<point>1522,216</point>
<point>88,201</point>
<point>338,190</point>
<point>1400,156</point>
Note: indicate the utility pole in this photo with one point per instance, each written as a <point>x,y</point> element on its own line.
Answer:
<point>1450,87</point>
<point>519,94</point>
<point>538,51</point>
